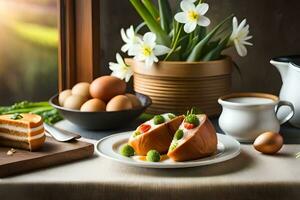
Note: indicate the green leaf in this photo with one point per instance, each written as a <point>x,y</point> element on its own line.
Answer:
<point>165,14</point>
<point>197,51</point>
<point>162,36</point>
<point>215,53</point>
<point>151,8</point>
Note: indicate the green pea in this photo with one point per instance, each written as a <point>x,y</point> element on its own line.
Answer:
<point>171,116</point>
<point>127,150</point>
<point>158,119</point>
<point>192,119</point>
<point>136,133</point>
<point>153,156</point>
<point>179,134</point>
<point>173,145</point>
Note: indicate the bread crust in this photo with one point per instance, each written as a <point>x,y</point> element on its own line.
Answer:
<point>201,142</point>
<point>158,139</point>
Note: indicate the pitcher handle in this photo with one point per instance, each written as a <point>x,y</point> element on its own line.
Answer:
<point>290,115</point>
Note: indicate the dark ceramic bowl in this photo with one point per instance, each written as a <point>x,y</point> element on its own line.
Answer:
<point>102,120</point>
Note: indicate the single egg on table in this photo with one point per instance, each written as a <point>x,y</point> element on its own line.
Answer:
<point>74,102</point>
<point>268,143</point>
<point>136,103</point>
<point>120,102</point>
<point>63,96</point>
<point>93,105</point>
<point>82,89</point>
<point>107,87</point>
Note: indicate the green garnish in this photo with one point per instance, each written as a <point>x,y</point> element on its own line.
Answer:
<point>171,116</point>
<point>192,119</point>
<point>179,134</point>
<point>158,119</point>
<point>44,109</point>
<point>136,133</point>
<point>16,116</point>
<point>153,156</point>
<point>127,150</point>
<point>173,145</point>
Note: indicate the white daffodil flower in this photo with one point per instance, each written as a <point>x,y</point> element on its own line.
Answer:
<point>239,36</point>
<point>192,15</point>
<point>130,38</point>
<point>120,69</point>
<point>147,50</point>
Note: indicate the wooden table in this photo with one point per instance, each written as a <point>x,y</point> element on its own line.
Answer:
<point>251,175</point>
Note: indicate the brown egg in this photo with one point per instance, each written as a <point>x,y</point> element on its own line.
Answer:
<point>268,143</point>
<point>93,105</point>
<point>63,96</point>
<point>136,103</point>
<point>106,87</point>
<point>82,89</point>
<point>120,102</point>
<point>74,102</point>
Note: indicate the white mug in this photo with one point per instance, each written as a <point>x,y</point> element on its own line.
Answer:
<point>246,115</point>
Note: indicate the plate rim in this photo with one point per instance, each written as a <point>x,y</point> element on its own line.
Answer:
<point>169,166</point>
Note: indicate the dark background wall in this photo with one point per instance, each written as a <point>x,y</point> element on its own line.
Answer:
<point>274,25</point>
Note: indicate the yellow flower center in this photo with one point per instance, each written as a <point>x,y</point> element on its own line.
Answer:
<point>193,16</point>
<point>147,51</point>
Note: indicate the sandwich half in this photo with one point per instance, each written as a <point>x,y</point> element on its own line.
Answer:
<point>156,134</point>
<point>24,131</point>
<point>195,138</point>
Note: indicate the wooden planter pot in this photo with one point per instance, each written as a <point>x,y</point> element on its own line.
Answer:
<point>178,86</point>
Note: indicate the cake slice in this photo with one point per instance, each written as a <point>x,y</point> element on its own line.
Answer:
<point>155,134</point>
<point>195,138</point>
<point>24,131</point>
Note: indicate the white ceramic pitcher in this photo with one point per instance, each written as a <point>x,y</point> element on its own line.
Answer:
<point>289,69</point>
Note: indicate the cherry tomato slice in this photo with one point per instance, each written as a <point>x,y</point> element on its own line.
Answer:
<point>144,128</point>
<point>188,125</point>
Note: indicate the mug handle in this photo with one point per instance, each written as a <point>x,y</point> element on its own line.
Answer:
<point>290,115</point>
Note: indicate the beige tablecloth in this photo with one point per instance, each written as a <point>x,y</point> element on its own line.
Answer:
<point>251,175</point>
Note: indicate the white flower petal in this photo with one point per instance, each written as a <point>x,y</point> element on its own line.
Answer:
<point>203,21</point>
<point>241,26</point>
<point>247,43</point>
<point>149,62</point>
<point>161,50</point>
<point>149,38</point>
<point>187,6</point>
<point>124,37</point>
<point>248,37</point>
<point>125,48</point>
<point>241,49</point>
<point>202,8</point>
<point>190,27</point>
<point>181,17</point>
<point>130,32</point>
<point>119,59</point>
<point>234,24</point>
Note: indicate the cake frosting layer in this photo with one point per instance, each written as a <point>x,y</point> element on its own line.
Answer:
<point>21,138</point>
<point>21,129</point>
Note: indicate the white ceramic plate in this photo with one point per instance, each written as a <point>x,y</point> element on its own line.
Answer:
<point>108,147</point>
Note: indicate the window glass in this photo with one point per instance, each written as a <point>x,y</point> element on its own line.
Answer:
<point>28,50</point>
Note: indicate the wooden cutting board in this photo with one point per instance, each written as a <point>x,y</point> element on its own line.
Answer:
<point>52,153</point>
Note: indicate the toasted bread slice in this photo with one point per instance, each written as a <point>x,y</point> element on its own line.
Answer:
<point>26,131</point>
<point>158,137</point>
<point>197,142</point>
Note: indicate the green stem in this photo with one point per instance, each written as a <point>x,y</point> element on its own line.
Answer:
<point>151,8</point>
<point>162,36</point>
<point>196,54</point>
<point>174,46</point>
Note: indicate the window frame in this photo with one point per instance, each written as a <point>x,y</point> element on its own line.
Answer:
<point>79,41</point>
